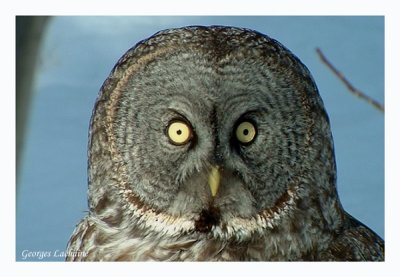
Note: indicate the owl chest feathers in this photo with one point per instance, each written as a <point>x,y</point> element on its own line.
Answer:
<point>141,243</point>
<point>133,232</point>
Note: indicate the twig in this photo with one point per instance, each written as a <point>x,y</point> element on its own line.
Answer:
<point>349,86</point>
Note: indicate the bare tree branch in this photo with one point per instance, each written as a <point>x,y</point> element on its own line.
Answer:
<point>349,86</point>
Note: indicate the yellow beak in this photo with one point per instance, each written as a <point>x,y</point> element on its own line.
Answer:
<point>214,180</point>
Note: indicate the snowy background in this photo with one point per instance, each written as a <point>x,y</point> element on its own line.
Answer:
<point>77,55</point>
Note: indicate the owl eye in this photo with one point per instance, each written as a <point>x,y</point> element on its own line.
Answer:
<point>246,132</point>
<point>179,132</point>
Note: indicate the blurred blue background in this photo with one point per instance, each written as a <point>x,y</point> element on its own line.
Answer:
<point>77,55</point>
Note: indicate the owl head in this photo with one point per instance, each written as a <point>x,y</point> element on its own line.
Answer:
<point>216,130</point>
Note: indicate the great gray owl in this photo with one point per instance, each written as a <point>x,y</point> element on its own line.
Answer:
<point>212,143</point>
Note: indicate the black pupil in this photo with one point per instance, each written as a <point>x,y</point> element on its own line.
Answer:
<point>179,132</point>
<point>245,132</point>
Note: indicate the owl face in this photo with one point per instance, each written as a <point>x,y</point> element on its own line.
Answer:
<point>211,128</point>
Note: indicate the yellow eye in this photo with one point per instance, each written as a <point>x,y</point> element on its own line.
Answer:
<point>245,132</point>
<point>179,132</point>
